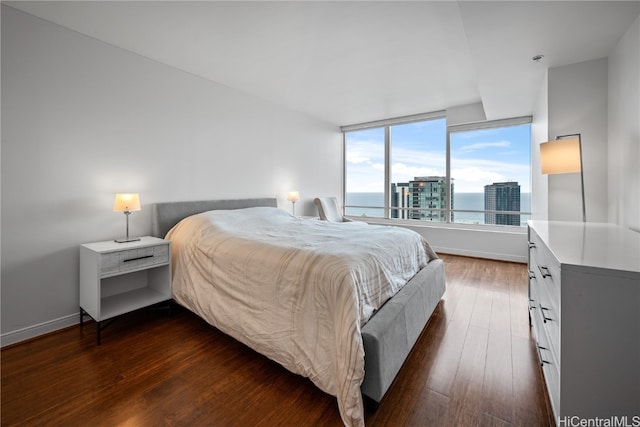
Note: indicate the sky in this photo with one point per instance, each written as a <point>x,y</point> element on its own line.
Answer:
<point>478,157</point>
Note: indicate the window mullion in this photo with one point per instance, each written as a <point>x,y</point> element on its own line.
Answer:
<point>448,179</point>
<point>387,172</point>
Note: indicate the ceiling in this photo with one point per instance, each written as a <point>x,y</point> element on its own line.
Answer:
<point>353,62</point>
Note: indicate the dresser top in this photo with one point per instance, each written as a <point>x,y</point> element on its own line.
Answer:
<point>591,244</point>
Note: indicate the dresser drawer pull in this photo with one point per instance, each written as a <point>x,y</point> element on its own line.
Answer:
<point>532,245</point>
<point>138,258</point>
<point>544,317</point>
<point>532,275</point>
<point>542,361</point>
<point>544,271</point>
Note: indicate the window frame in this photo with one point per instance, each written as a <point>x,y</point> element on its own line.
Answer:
<point>388,123</point>
<point>488,124</point>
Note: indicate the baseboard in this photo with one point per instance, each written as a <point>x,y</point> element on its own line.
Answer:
<point>34,331</point>
<point>481,254</point>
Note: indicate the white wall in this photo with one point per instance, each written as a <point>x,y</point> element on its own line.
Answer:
<point>601,100</point>
<point>468,113</point>
<point>578,104</point>
<point>624,130</point>
<point>508,244</point>
<point>539,134</point>
<point>83,120</point>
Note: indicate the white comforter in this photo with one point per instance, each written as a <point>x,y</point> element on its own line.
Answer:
<point>297,291</point>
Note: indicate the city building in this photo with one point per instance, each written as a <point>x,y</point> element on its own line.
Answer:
<point>401,199</point>
<point>502,196</point>
<point>429,195</point>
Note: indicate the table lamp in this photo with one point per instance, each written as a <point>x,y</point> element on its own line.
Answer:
<point>127,203</point>
<point>293,197</point>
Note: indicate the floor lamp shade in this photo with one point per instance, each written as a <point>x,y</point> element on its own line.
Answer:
<point>561,156</point>
<point>564,155</point>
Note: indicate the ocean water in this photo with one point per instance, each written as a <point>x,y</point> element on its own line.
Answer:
<point>462,201</point>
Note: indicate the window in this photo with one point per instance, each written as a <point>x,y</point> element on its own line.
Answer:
<point>491,169</point>
<point>419,169</point>
<point>364,167</point>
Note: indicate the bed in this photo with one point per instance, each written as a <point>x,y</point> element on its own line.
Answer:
<point>349,342</point>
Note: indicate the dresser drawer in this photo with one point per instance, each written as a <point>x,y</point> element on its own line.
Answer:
<point>547,356</point>
<point>551,289</point>
<point>550,324</point>
<point>132,259</point>
<point>547,269</point>
<point>534,298</point>
<point>551,371</point>
<point>546,310</point>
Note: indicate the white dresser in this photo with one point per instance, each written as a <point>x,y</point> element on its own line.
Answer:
<point>584,292</point>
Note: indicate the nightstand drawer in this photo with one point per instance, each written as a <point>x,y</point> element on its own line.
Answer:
<point>133,259</point>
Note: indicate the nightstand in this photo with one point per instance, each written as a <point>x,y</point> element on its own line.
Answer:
<point>117,278</point>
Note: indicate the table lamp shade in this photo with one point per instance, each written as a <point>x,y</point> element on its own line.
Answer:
<point>126,202</point>
<point>293,196</point>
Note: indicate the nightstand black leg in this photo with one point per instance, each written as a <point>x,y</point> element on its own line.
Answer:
<point>102,325</point>
<point>98,324</point>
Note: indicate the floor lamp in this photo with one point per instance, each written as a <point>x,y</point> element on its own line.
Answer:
<point>564,155</point>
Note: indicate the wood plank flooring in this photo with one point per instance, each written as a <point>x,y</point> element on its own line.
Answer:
<point>474,365</point>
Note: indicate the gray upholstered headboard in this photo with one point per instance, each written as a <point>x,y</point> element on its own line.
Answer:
<point>165,215</point>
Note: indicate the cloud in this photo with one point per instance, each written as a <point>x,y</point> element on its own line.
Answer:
<point>401,172</point>
<point>433,158</point>
<point>476,175</point>
<point>471,175</point>
<point>363,152</point>
<point>356,158</point>
<point>484,145</point>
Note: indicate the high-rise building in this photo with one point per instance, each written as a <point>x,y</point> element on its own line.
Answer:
<point>429,194</point>
<point>502,196</point>
<point>401,199</point>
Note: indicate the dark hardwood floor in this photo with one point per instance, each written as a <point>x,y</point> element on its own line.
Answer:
<point>474,365</point>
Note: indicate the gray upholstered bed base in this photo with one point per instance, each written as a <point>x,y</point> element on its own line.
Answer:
<point>388,336</point>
